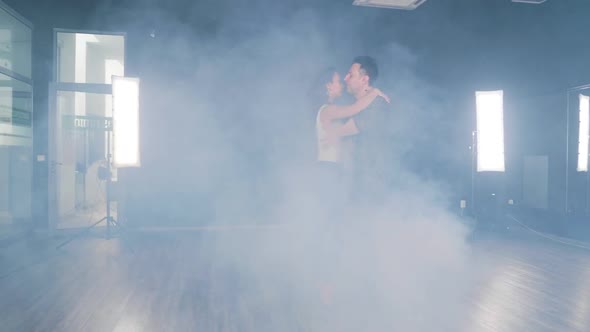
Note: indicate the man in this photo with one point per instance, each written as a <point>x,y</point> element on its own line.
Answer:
<point>370,158</point>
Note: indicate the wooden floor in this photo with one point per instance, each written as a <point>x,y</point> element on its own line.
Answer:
<point>224,281</point>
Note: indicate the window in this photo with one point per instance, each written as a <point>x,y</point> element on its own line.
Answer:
<point>89,58</point>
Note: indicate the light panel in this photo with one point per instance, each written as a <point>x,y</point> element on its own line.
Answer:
<point>490,131</point>
<point>125,122</point>
<point>534,2</point>
<point>393,4</point>
<point>584,133</point>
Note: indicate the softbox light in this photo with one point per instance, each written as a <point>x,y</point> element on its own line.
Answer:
<point>125,122</point>
<point>490,131</point>
<point>584,133</point>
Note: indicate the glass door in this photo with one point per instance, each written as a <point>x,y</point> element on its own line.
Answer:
<point>82,123</point>
<point>80,126</point>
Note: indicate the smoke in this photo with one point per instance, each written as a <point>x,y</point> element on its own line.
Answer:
<point>227,136</point>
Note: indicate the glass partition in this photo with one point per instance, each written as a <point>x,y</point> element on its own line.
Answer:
<point>16,139</point>
<point>15,44</point>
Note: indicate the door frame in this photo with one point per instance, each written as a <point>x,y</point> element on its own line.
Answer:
<point>53,117</point>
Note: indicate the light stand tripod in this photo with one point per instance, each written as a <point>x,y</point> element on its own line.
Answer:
<point>487,191</point>
<point>110,221</point>
<point>587,203</point>
<point>473,170</point>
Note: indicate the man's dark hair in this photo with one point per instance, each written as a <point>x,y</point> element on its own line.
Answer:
<point>369,66</point>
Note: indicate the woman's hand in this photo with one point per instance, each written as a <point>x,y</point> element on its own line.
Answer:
<point>382,95</point>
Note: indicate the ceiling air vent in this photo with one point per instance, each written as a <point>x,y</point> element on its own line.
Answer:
<point>536,2</point>
<point>394,4</point>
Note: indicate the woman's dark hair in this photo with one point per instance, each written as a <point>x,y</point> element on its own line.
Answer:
<point>317,92</point>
